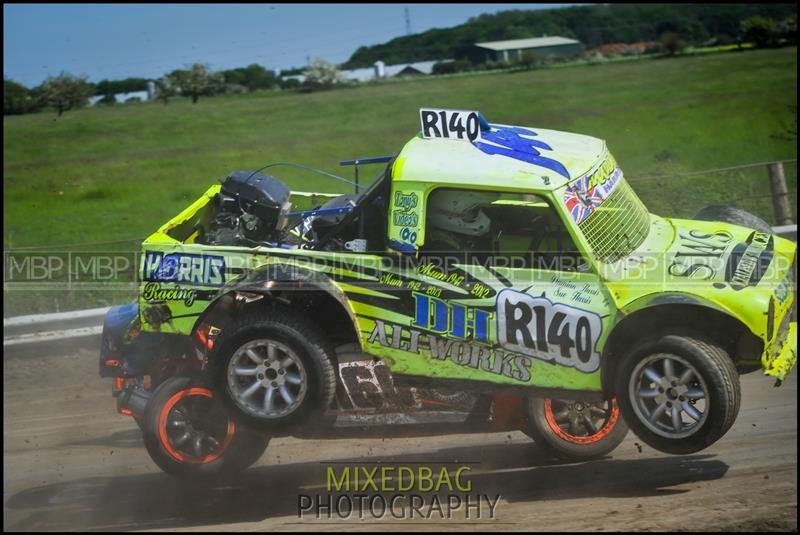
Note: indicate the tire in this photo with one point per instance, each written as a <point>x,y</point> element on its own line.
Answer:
<point>735,216</point>
<point>569,437</point>
<point>237,447</point>
<point>296,366</point>
<point>707,399</point>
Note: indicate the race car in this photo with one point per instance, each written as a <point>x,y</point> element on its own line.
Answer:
<point>493,276</point>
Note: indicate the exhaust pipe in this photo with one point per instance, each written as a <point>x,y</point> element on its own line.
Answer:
<point>133,401</point>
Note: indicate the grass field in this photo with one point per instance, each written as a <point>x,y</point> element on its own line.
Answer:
<point>118,173</point>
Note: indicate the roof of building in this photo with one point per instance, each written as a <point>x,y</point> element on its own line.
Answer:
<point>299,77</point>
<point>121,97</point>
<point>425,67</point>
<point>510,157</point>
<point>368,73</point>
<point>533,42</point>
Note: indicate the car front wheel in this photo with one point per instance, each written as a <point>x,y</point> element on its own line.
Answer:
<point>678,393</point>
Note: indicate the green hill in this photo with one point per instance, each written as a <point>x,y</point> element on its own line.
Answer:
<point>592,25</point>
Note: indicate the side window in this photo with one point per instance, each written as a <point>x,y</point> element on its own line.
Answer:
<point>498,229</point>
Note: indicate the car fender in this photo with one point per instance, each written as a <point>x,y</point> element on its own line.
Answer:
<point>629,322</point>
<point>273,281</point>
<point>672,298</point>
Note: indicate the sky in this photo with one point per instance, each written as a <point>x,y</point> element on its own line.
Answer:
<point>116,41</point>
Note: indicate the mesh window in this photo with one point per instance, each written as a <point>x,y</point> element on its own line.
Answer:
<point>618,226</point>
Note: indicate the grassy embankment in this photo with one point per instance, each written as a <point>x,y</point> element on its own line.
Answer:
<point>117,173</point>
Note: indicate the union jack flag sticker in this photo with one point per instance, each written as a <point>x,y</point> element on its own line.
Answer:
<point>581,202</point>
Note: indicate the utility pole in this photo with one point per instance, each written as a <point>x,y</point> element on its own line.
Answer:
<point>780,196</point>
<point>408,22</point>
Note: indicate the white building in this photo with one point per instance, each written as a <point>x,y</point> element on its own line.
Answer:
<point>380,70</point>
<point>144,96</point>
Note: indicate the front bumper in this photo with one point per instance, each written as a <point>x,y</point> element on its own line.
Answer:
<point>783,360</point>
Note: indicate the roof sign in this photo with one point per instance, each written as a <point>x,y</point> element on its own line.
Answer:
<point>452,124</point>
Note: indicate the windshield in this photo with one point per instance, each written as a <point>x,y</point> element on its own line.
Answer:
<point>610,215</point>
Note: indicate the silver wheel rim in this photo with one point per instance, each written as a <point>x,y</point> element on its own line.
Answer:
<point>669,396</point>
<point>267,379</point>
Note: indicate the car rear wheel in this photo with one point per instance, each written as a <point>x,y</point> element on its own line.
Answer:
<point>678,393</point>
<point>578,430</point>
<point>189,434</point>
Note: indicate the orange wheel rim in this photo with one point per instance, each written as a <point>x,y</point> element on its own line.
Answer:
<point>167,442</point>
<point>566,431</point>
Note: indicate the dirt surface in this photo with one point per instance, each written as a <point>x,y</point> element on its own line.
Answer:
<point>71,463</point>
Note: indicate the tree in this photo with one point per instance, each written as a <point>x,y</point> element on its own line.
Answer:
<point>165,88</point>
<point>128,85</point>
<point>290,83</point>
<point>760,31</point>
<point>253,77</point>
<point>672,43</point>
<point>450,67</point>
<point>787,29</point>
<point>108,100</point>
<point>321,75</point>
<point>17,99</point>
<point>197,81</point>
<point>529,60</point>
<point>293,71</point>
<point>65,92</point>
<point>592,25</point>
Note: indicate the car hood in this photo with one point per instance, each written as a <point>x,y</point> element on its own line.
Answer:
<point>706,257</point>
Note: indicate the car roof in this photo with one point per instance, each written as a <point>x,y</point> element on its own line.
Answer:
<point>507,157</point>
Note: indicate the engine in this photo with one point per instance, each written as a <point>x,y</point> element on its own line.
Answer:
<point>251,209</point>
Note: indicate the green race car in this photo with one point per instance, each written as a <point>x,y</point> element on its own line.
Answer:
<point>485,258</point>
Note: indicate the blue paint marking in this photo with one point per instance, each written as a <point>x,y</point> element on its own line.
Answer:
<point>513,145</point>
<point>441,314</point>
<point>482,325</point>
<point>322,211</point>
<point>483,122</point>
<point>400,246</point>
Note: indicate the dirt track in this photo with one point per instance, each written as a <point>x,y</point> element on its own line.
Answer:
<point>70,462</point>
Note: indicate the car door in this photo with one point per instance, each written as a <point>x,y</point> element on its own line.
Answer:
<point>513,305</point>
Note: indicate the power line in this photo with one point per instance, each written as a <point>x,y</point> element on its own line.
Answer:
<point>710,171</point>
